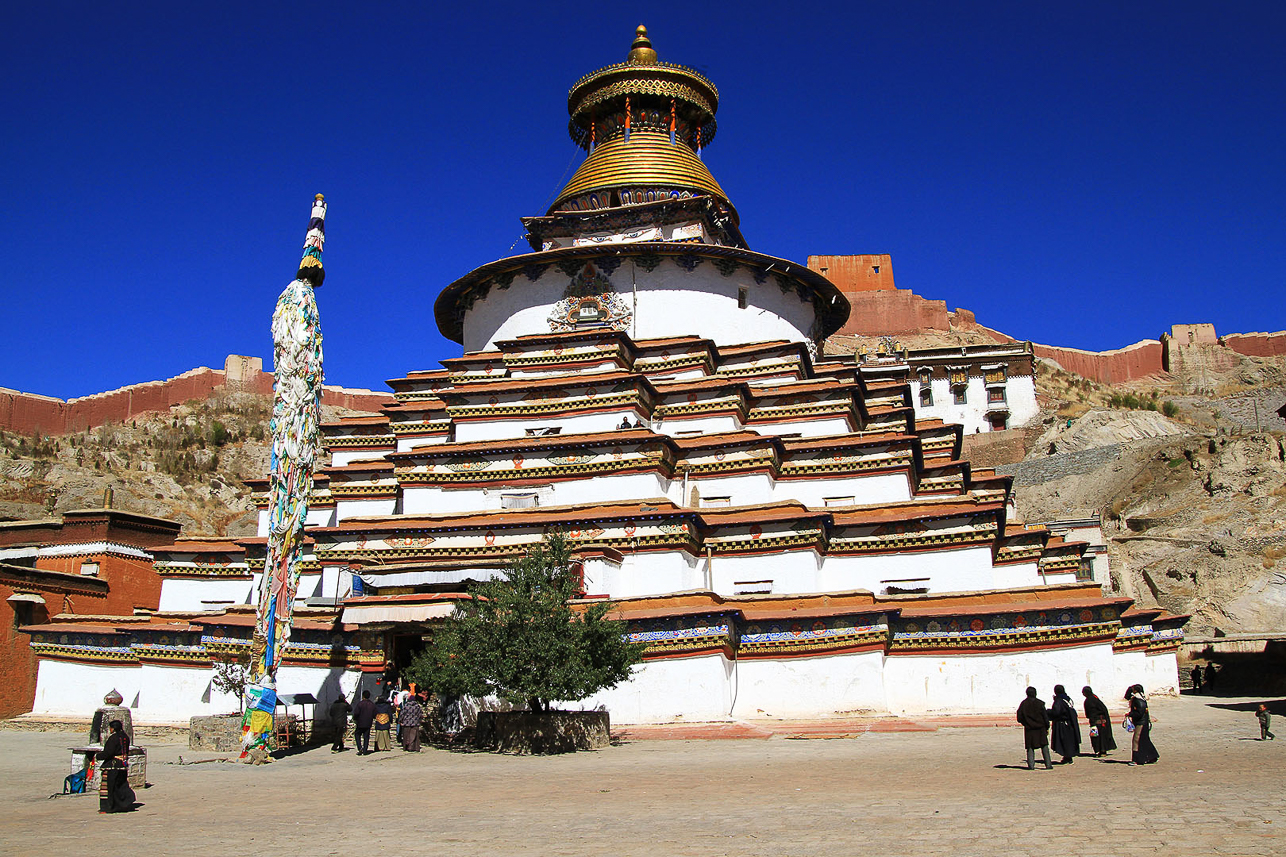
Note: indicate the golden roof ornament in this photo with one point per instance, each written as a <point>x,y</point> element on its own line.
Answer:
<point>643,123</point>
<point>641,52</point>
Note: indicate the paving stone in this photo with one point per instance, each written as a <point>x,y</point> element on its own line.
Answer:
<point>955,790</point>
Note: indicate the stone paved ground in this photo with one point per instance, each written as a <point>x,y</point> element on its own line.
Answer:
<point>942,790</point>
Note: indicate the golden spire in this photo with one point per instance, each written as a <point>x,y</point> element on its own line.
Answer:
<point>641,52</point>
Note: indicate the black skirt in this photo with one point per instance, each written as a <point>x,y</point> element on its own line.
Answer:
<point>114,792</point>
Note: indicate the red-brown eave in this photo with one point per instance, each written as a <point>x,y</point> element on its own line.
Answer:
<point>557,382</point>
<point>511,518</point>
<point>551,442</point>
<point>910,612</point>
<point>910,511</point>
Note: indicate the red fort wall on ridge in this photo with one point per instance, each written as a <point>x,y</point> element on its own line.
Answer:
<point>28,413</point>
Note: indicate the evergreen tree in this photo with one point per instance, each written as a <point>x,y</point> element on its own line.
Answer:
<point>518,638</point>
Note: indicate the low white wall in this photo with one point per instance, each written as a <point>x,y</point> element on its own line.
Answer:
<point>168,694</point>
<point>75,690</point>
<point>693,690</point>
<point>939,684</point>
<point>809,687</point>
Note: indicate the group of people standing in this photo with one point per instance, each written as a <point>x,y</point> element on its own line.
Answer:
<point>1061,720</point>
<point>406,710</point>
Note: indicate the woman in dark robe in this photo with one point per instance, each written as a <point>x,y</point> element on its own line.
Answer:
<point>1142,750</point>
<point>1067,731</point>
<point>1100,720</point>
<point>114,793</point>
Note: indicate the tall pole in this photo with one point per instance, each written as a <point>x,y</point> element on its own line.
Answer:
<point>296,415</point>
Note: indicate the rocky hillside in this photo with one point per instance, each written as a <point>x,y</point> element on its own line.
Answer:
<point>188,464</point>
<point>1196,522</point>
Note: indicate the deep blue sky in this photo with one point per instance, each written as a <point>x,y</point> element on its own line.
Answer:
<point>1076,173</point>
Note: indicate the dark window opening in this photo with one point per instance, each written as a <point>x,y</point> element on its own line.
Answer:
<point>743,298</point>
<point>959,396</point>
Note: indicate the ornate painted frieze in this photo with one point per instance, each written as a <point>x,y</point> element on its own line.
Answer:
<point>685,635</point>
<point>801,637</point>
<point>914,535</point>
<point>1025,628</point>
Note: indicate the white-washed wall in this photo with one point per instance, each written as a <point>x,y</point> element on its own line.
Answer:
<point>926,684</point>
<point>695,689</point>
<point>809,687</point>
<point>664,303</point>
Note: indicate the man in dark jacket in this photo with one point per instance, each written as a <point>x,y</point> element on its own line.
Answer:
<point>1035,721</point>
<point>363,717</point>
<point>339,720</point>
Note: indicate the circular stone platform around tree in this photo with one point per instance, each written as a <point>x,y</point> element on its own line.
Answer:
<point>542,732</point>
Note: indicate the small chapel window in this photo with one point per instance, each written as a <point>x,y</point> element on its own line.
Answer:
<point>960,395</point>
<point>527,500</point>
<point>743,298</point>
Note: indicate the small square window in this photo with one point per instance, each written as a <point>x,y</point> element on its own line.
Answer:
<point>743,298</point>
<point>926,395</point>
<point>716,502</point>
<point>960,395</point>
<point>875,268</point>
<point>519,501</point>
<point>89,569</point>
<point>838,501</point>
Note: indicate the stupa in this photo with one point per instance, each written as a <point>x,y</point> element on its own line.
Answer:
<point>779,528</point>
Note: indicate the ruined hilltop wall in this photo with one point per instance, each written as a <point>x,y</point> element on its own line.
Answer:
<point>1131,363</point>
<point>1257,344</point>
<point>29,413</point>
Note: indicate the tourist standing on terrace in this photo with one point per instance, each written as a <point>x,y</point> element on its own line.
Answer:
<point>363,719</point>
<point>1100,721</point>
<point>1067,732</point>
<point>1031,714</point>
<point>339,720</point>
<point>383,724</point>
<point>1142,751</point>
<point>410,719</point>
<point>1265,720</point>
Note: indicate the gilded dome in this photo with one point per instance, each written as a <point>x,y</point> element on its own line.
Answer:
<point>644,123</point>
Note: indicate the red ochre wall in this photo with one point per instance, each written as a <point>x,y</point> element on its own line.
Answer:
<point>1108,367</point>
<point>1257,344</point>
<point>17,660</point>
<point>876,313</point>
<point>27,414</point>
<point>131,583</point>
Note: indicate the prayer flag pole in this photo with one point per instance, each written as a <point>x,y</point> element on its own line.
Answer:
<point>296,415</point>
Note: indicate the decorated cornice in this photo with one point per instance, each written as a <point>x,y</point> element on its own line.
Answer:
<point>810,637</point>
<point>177,568</point>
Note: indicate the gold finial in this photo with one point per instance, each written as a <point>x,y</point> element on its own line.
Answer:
<point>319,197</point>
<point>641,52</point>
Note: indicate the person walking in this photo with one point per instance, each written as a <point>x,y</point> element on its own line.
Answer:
<point>1265,720</point>
<point>114,793</point>
<point>383,724</point>
<point>339,720</point>
<point>1142,750</point>
<point>1067,731</point>
<point>1035,721</point>
<point>363,719</point>
<point>410,719</point>
<point>1211,675</point>
<point>1196,679</point>
<point>1100,720</point>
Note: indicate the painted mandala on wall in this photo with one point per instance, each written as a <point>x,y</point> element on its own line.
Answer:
<point>589,299</point>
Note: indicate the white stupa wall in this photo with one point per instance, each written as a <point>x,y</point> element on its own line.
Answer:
<point>926,684</point>
<point>830,685</point>
<point>691,689</point>
<point>664,303</point>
